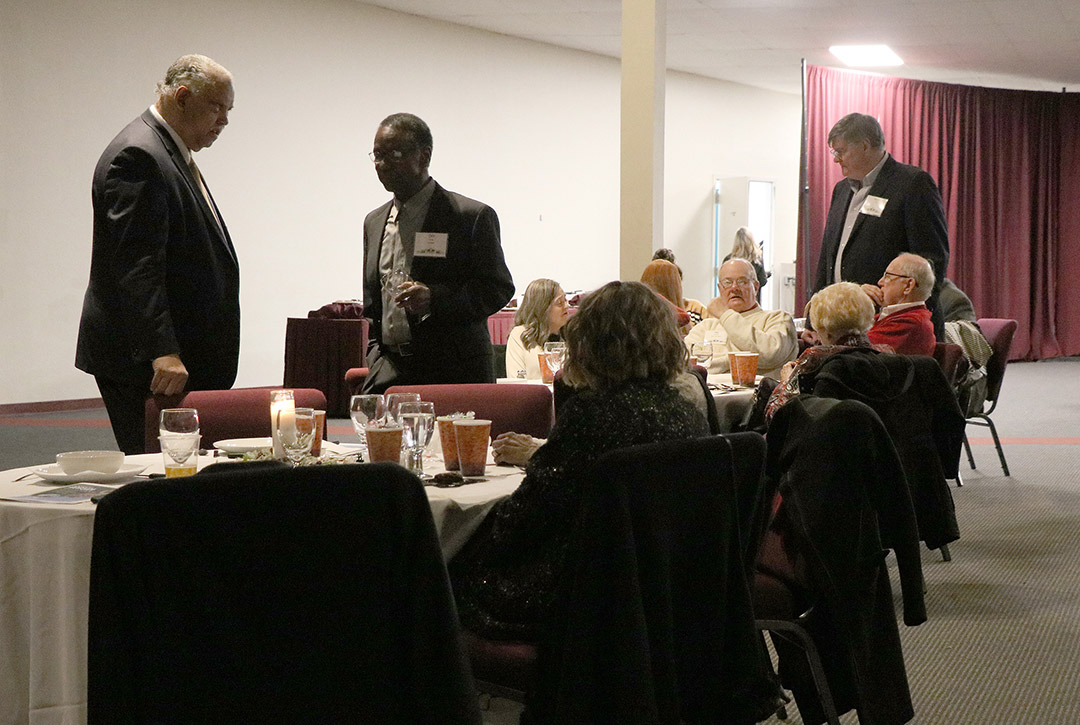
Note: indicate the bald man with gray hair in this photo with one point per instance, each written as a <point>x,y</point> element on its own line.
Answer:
<point>736,323</point>
<point>904,322</point>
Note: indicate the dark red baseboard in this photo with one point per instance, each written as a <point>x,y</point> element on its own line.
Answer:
<point>51,406</point>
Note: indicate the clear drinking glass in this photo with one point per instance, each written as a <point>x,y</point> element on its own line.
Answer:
<point>180,451</point>
<point>555,352</point>
<point>418,425</point>
<point>393,403</point>
<point>297,442</point>
<point>703,351</point>
<point>178,420</point>
<point>365,409</point>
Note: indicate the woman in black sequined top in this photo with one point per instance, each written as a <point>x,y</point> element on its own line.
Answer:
<point>623,351</point>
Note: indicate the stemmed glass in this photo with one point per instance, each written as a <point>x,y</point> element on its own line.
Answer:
<point>297,442</point>
<point>555,352</point>
<point>393,403</point>
<point>703,351</point>
<point>175,421</point>
<point>418,425</point>
<point>393,280</point>
<point>365,409</point>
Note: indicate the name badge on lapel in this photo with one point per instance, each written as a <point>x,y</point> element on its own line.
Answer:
<point>430,244</point>
<point>873,205</point>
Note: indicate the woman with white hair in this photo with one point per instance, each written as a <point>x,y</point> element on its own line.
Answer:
<point>840,314</point>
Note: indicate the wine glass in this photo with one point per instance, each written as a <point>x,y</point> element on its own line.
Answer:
<point>418,425</point>
<point>364,409</point>
<point>703,351</point>
<point>297,440</point>
<point>178,449</point>
<point>393,281</point>
<point>393,403</point>
<point>555,352</point>
<point>178,420</point>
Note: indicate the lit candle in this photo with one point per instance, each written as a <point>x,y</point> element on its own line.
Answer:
<point>282,419</point>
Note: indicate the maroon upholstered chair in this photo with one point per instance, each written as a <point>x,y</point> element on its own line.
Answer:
<point>949,356</point>
<point>236,413</point>
<point>354,379</point>
<point>999,333</point>
<point>525,408</point>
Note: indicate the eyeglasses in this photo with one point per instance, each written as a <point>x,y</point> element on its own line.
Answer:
<point>898,276</point>
<point>389,156</point>
<point>837,155</point>
<point>741,282</point>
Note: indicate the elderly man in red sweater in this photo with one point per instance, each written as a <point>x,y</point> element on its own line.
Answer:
<point>904,320</point>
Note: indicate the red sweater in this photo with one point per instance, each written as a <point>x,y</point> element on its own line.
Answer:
<point>909,331</point>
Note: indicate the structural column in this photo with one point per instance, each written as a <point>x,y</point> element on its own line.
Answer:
<point>641,218</point>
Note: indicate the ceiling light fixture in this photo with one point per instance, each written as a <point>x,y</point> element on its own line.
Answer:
<point>866,56</point>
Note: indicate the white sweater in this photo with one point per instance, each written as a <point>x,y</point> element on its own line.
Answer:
<point>518,357</point>
<point>770,334</point>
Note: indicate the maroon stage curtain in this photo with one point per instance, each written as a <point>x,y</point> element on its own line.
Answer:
<point>1008,165</point>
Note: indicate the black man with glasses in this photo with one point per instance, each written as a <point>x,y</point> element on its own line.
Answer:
<point>433,270</point>
<point>879,210</point>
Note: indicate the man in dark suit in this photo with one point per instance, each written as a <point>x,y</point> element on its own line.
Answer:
<point>162,310</point>
<point>881,209</point>
<point>433,270</point>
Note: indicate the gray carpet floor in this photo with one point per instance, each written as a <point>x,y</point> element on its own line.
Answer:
<point>1002,644</point>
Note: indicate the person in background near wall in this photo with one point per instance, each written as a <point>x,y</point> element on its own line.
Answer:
<point>543,312</point>
<point>161,313</point>
<point>746,248</point>
<point>738,324</point>
<point>904,321</point>
<point>880,209</point>
<point>954,303</point>
<point>665,254</point>
<point>433,270</point>
<point>623,354</point>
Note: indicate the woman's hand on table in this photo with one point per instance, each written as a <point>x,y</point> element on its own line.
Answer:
<point>515,449</point>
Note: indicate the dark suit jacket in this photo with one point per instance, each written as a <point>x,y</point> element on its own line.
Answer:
<point>913,221</point>
<point>469,285</point>
<point>163,277</point>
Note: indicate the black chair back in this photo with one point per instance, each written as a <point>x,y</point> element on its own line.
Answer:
<point>252,593</point>
<point>654,623</point>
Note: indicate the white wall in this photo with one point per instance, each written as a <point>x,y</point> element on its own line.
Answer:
<point>529,128</point>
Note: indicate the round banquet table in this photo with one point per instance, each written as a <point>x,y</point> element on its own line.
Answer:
<point>45,581</point>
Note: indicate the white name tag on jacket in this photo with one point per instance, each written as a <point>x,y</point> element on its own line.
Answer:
<point>873,205</point>
<point>430,244</point>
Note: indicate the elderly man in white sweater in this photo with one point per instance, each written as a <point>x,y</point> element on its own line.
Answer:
<point>738,324</point>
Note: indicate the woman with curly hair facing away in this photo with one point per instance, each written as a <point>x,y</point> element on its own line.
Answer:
<point>623,354</point>
<point>543,312</point>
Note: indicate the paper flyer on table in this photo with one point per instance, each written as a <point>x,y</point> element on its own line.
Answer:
<point>75,493</point>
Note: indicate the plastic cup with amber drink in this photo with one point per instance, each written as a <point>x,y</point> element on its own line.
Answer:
<point>473,439</point>
<point>743,368</point>
<point>383,443</point>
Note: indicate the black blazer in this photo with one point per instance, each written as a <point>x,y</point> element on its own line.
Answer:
<point>913,221</point>
<point>468,286</point>
<point>164,277</point>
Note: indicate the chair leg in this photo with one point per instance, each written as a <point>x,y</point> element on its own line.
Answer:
<point>959,481</point>
<point>946,555</point>
<point>967,447</point>
<point>997,444</point>
<point>784,627</point>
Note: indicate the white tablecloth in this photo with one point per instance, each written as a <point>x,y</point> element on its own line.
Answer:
<point>45,585</point>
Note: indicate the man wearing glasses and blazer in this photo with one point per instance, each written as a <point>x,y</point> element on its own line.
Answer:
<point>433,270</point>
<point>881,209</point>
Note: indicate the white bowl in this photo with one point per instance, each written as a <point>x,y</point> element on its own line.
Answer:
<point>96,461</point>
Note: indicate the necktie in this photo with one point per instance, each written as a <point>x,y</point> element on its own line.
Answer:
<point>202,187</point>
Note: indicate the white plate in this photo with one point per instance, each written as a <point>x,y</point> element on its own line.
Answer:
<point>238,446</point>
<point>55,474</point>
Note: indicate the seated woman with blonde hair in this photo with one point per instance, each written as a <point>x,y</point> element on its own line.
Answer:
<point>543,312</point>
<point>623,353</point>
<point>840,314</point>
<point>665,279</point>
